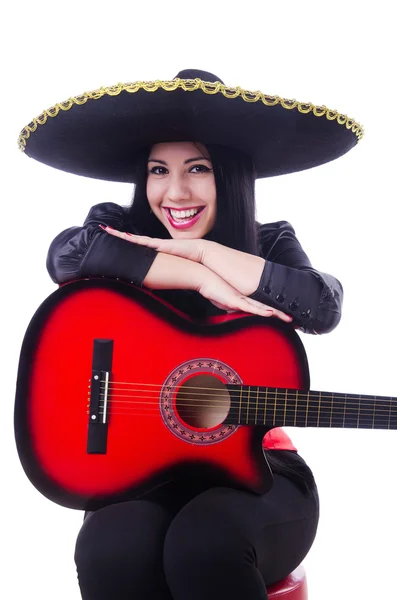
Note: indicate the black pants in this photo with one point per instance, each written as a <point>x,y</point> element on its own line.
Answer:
<point>222,544</point>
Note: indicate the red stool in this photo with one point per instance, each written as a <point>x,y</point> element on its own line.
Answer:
<point>294,587</point>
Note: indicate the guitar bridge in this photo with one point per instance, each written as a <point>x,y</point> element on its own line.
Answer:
<point>99,404</point>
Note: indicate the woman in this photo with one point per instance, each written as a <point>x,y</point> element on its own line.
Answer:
<point>190,235</point>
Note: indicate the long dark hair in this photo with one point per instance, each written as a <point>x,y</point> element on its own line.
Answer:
<point>235,224</point>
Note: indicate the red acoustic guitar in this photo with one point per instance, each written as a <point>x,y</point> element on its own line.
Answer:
<point>117,393</point>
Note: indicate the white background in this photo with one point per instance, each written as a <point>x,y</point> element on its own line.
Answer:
<point>340,54</point>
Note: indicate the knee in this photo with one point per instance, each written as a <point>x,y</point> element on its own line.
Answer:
<point>203,539</point>
<point>120,539</point>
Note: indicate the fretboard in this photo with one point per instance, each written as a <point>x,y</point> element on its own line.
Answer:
<point>252,405</point>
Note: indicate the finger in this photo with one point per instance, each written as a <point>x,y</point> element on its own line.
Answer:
<point>255,309</point>
<point>143,240</point>
<point>280,315</point>
<point>274,311</point>
<point>111,231</point>
<point>258,308</point>
<point>130,237</point>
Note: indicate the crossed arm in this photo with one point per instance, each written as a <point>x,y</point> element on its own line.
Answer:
<point>223,275</point>
<point>281,283</point>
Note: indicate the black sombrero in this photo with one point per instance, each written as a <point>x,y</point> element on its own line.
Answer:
<point>98,133</point>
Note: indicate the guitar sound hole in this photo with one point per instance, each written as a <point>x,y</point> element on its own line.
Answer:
<point>203,401</point>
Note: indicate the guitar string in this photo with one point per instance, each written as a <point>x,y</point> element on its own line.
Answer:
<point>250,403</point>
<point>379,424</point>
<point>188,387</point>
<point>337,399</point>
<point>268,390</point>
<point>303,409</point>
<point>298,413</point>
<point>194,413</point>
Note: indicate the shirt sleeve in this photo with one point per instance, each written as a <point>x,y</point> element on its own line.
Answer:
<point>88,251</point>
<point>290,283</point>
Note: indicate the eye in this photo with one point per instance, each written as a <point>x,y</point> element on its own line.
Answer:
<point>199,169</point>
<point>158,170</point>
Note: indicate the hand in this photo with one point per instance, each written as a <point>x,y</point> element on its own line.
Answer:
<point>225,297</point>
<point>190,249</point>
<point>240,269</point>
<point>214,288</point>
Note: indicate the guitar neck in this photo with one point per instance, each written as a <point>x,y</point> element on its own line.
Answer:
<point>254,405</point>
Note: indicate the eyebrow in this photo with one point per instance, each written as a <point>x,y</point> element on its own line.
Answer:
<point>186,162</point>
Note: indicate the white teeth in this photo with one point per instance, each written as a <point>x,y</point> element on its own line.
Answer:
<point>183,214</point>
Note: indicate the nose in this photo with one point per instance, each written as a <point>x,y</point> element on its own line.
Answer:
<point>178,189</point>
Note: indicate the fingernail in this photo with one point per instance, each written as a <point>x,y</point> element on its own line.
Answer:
<point>102,227</point>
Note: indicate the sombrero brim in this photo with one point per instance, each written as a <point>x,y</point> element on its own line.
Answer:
<point>99,133</point>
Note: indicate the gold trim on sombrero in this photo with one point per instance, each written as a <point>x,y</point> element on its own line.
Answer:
<point>190,85</point>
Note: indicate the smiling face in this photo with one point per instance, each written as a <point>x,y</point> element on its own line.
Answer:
<point>181,188</point>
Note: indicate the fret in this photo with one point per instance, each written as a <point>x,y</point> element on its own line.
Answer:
<point>307,408</point>
<point>243,402</point>
<point>312,408</point>
<point>256,405</point>
<point>389,415</point>
<point>350,411</point>
<point>382,413</point>
<point>376,412</point>
<point>275,407</point>
<point>300,408</point>
<point>324,409</point>
<point>392,402</point>
<point>247,417</point>
<point>336,420</point>
<point>289,409</point>
<point>265,407</point>
<point>253,412</point>
<point>279,407</point>
<point>367,412</point>
<point>233,416</point>
<point>248,414</point>
<point>270,407</point>
<point>344,414</point>
<point>338,410</point>
<point>262,405</point>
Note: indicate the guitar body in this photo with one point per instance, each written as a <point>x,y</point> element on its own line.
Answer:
<point>166,405</point>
